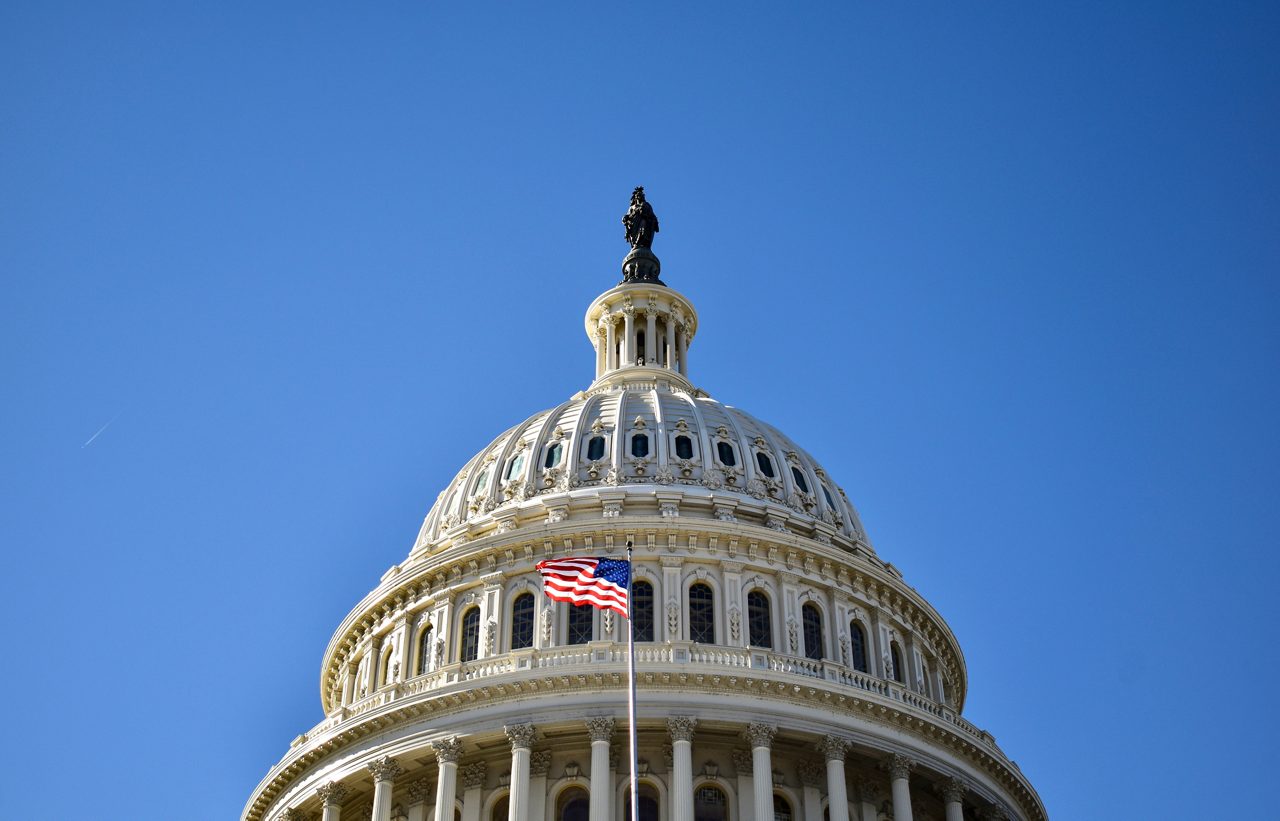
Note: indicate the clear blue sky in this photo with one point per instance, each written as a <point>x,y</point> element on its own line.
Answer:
<point>1009,270</point>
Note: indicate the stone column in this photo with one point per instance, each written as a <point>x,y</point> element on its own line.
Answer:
<point>681,729</point>
<point>602,363</point>
<point>811,777</point>
<point>600,728</point>
<point>629,336</point>
<point>651,335</point>
<point>746,789</point>
<point>331,796</point>
<point>869,793</point>
<point>521,738</point>
<point>900,768</point>
<point>611,343</point>
<point>539,765</point>
<point>682,341</point>
<point>384,771</point>
<point>953,791</point>
<point>833,749</point>
<point>448,751</point>
<point>760,736</point>
<point>669,348</point>
<point>418,792</point>
<point>473,777</point>
<point>349,685</point>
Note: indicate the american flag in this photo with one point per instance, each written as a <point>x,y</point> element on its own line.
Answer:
<point>603,583</point>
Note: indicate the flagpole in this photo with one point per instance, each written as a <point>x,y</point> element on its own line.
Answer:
<point>631,692</point>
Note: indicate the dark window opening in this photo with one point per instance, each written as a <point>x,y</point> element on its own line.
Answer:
<point>799,477</point>
<point>522,622</point>
<point>642,610</point>
<point>595,448</point>
<point>725,451</point>
<point>581,623</point>
<point>765,463</point>
<point>858,646</point>
<point>553,455</point>
<point>470,635</point>
<point>684,447</point>
<point>759,621</point>
<point>702,623</point>
<point>812,618</point>
<point>640,445</point>
<point>424,649</point>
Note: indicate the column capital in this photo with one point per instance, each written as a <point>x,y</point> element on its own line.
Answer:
<point>760,735</point>
<point>520,735</point>
<point>540,763</point>
<point>812,774</point>
<point>833,747</point>
<point>869,790</point>
<point>953,790</point>
<point>473,776</point>
<point>385,768</point>
<point>681,727</point>
<point>419,791</point>
<point>448,750</point>
<point>899,766</point>
<point>332,794</point>
<point>600,728</point>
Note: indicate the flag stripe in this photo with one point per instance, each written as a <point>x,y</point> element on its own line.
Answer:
<point>595,581</point>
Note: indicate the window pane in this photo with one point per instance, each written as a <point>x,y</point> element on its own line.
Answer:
<point>781,809</point>
<point>759,622</point>
<point>858,640</point>
<point>553,455</point>
<point>471,635</point>
<point>702,625</point>
<point>648,800</point>
<point>684,447</point>
<point>595,448</point>
<point>812,632</point>
<point>642,610</point>
<point>765,463</point>
<point>483,481</point>
<point>522,622</point>
<point>501,810</point>
<point>725,451</point>
<point>516,465</point>
<point>574,805</point>
<point>709,804</point>
<point>580,623</point>
<point>799,477</point>
<point>640,445</point>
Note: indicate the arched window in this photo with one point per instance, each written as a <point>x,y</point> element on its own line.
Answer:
<point>522,622</point>
<point>470,649</point>
<point>765,463</point>
<point>501,810</point>
<point>515,466</point>
<point>782,809</point>
<point>573,805</point>
<point>799,477</point>
<point>384,671</point>
<point>895,658</point>
<point>858,646</point>
<point>684,447</point>
<point>702,621</point>
<point>759,620</point>
<point>595,448</point>
<point>425,649</point>
<point>554,452</point>
<point>640,445</point>
<point>812,618</point>
<point>648,801</point>
<point>725,451</point>
<point>580,623</point>
<point>709,804</point>
<point>642,610</point>
<point>640,350</point>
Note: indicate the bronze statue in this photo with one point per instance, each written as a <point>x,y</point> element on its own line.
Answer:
<point>640,221</point>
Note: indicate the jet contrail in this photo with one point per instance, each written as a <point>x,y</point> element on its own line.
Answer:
<point>99,433</point>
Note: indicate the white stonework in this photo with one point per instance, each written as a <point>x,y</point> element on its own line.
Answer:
<point>787,659</point>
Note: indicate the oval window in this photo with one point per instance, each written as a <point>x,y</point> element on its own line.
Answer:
<point>684,447</point>
<point>799,477</point>
<point>765,463</point>
<point>595,448</point>
<point>725,451</point>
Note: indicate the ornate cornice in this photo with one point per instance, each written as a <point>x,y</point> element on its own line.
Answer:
<point>681,727</point>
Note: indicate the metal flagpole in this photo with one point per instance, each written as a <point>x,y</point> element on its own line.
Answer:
<point>631,693</point>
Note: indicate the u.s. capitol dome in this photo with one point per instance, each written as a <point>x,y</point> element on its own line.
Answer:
<point>784,670</point>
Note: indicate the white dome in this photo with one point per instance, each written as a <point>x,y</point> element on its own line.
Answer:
<point>655,442</point>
